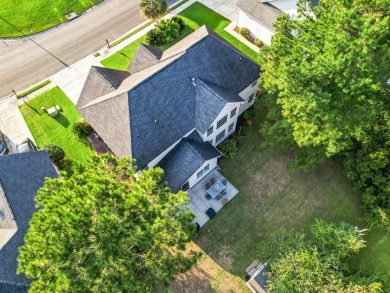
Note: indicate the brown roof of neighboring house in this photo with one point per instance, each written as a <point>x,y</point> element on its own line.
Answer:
<point>264,13</point>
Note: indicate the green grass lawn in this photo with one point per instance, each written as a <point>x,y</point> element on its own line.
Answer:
<point>194,17</point>
<point>271,198</point>
<point>57,130</point>
<point>25,17</point>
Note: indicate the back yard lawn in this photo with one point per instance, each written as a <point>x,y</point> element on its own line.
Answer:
<point>194,17</point>
<point>25,17</point>
<point>272,198</point>
<point>57,130</point>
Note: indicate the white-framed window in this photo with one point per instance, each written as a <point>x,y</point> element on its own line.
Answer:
<point>210,130</point>
<point>185,186</point>
<point>206,168</point>
<point>199,174</point>
<point>220,136</point>
<point>251,97</point>
<point>222,121</point>
<point>231,127</point>
<point>233,112</point>
<point>254,83</point>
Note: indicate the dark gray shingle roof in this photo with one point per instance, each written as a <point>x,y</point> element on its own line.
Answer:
<point>145,57</point>
<point>100,81</point>
<point>185,159</point>
<point>210,100</point>
<point>21,176</point>
<point>265,13</point>
<point>162,99</point>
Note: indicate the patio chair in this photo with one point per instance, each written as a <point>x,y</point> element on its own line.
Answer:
<point>212,181</point>
<point>222,194</point>
<point>207,196</point>
<point>208,185</point>
<point>224,181</point>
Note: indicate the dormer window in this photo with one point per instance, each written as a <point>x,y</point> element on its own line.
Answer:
<point>210,130</point>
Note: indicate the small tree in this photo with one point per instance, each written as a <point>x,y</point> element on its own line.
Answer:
<point>229,148</point>
<point>81,128</point>
<point>104,230</point>
<point>153,9</point>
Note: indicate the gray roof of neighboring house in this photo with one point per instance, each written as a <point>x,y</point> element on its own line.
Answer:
<point>161,99</point>
<point>21,176</point>
<point>185,159</point>
<point>145,57</point>
<point>265,13</point>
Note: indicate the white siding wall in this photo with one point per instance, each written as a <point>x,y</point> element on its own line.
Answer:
<point>256,29</point>
<point>225,111</point>
<point>245,94</point>
<point>193,179</point>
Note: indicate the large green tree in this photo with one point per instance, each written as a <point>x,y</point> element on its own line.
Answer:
<point>319,264</point>
<point>106,229</point>
<point>153,9</point>
<point>326,73</point>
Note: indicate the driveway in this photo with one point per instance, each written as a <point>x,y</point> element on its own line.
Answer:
<point>26,62</point>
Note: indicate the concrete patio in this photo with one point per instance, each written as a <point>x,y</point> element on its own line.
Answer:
<point>199,204</point>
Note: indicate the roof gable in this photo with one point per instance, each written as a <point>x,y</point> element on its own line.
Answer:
<point>145,57</point>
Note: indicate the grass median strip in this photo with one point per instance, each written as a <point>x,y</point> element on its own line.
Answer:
<point>33,89</point>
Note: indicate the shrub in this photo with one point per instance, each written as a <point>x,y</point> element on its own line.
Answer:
<point>229,148</point>
<point>81,128</point>
<point>244,31</point>
<point>166,31</point>
<point>259,43</point>
<point>56,153</point>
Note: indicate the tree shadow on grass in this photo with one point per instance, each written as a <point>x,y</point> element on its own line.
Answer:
<point>62,120</point>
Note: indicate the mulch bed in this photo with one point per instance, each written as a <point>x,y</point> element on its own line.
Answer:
<point>98,144</point>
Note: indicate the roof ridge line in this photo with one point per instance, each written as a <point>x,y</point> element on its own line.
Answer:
<point>105,79</point>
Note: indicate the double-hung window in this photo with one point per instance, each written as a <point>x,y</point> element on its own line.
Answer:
<point>210,130</point>
<point>206,168</point>
<point>199,174</point>
<point>231,127</point>
<point>233,112</point>
<point>222,121</point>
<point>185,186</point>
<point>220,136</point>
<point>251,97</point>
<point>254,83</point>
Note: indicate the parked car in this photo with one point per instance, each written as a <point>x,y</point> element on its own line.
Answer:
<point>26,145</point>
<point>3,145</point>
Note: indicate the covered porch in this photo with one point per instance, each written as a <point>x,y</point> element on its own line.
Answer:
<point>200,200</point>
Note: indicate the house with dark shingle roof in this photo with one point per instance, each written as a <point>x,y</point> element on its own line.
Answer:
<point>21,175</point>
<point>259,15</point>
<point>172,108</point>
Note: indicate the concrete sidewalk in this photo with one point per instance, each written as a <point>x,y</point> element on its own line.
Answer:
<point>71,79</point>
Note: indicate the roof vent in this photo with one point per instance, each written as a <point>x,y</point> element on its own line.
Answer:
<point>155,121</point>
<point>193,81</point>
<point>240,59</point>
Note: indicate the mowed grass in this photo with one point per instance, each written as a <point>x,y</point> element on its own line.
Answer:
<point>56,130</point>
<point>272,198</point>
<point>194,17</point>
<point>25,17</point>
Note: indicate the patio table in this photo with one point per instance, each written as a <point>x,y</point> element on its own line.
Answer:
<point>216,189</point>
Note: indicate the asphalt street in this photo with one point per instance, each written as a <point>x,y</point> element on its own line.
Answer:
<point>25,62</point>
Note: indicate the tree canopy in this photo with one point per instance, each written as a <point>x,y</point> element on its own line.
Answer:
<point>106,230</point>
<point>326,73</point>
<point>153,9</point>
<point>319,264</point>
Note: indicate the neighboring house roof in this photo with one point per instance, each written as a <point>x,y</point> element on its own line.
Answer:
<point>145,57</point>
<point>185,159</point>
<point>21,175</point>
<point>264,13</point>
<point>159,102</point>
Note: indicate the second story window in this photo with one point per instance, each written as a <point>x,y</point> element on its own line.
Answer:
<point>254,83</point>
<point>185,186</point>
<point>233,112</point>
<point>222,121</point>
<point>210,130</point>
<point>206,168</point>
<point>199,174</point>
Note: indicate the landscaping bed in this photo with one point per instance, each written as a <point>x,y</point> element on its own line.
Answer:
<point>56,130</point>
<point>194,17</point>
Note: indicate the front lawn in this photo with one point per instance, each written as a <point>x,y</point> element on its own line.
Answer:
<point>57,130</point>
<point>194,17</point>
<point>271,198</point>
<point>18,18</point>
